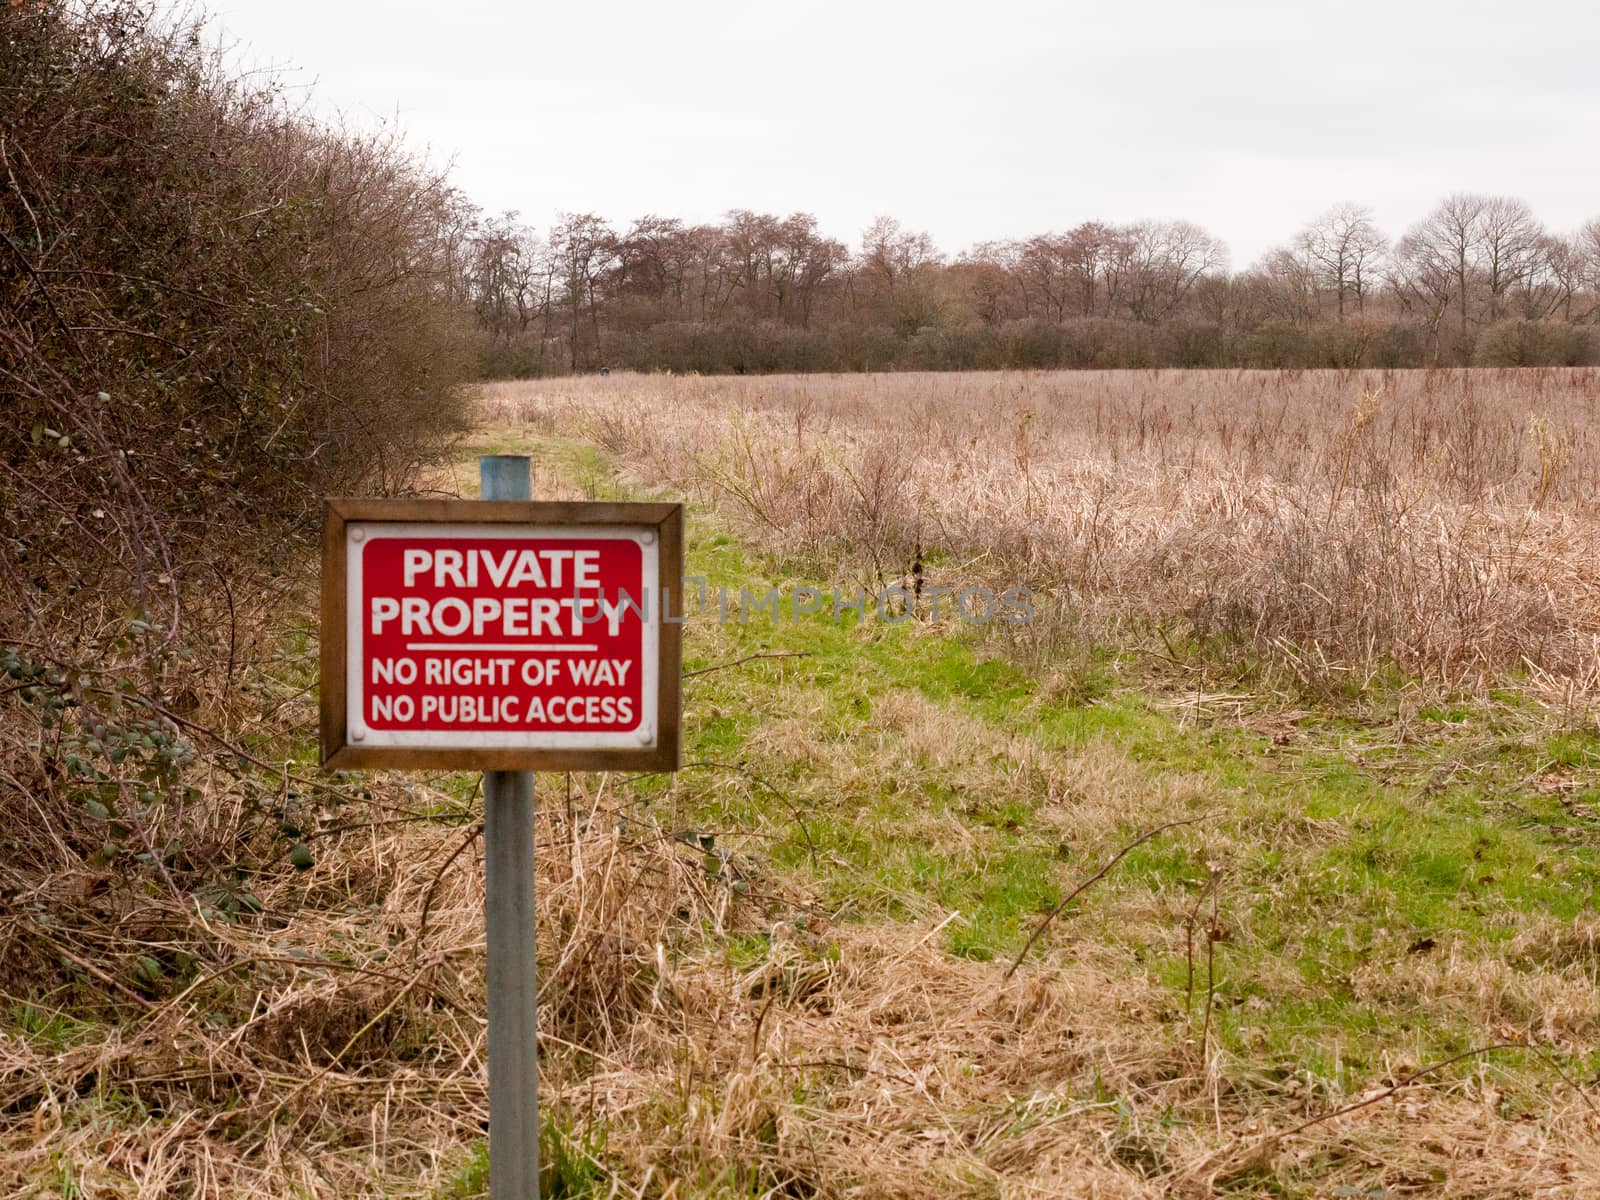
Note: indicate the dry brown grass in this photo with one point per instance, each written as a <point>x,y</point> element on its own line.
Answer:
<point>332,1044</point>
<point>1333,522</point>
<point>735,1028</point>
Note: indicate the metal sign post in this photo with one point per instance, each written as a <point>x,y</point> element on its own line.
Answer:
<point>513,965</point>
<point>505,636</point>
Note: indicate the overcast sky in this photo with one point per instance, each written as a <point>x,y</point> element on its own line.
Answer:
<point>973,120</point>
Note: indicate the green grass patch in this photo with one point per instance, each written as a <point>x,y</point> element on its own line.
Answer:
<point>1354,834</point>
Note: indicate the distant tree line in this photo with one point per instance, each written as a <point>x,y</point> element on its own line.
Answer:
<point>1479,281</point>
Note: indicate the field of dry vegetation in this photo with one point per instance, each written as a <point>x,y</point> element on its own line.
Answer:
<point>1334,523</point>
<point>1346,623</point>
<point>1314,675</point>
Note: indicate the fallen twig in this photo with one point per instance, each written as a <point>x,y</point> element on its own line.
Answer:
<point>1398,1086</point>
<point>739,662</point>
<point>1242,1156</point>
<point>427,900</point>
<point>1093,879</point>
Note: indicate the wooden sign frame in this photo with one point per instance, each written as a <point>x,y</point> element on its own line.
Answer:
<point>339,752</point>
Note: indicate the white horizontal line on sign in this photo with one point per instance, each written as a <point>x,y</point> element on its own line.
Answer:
<point>533,648</point>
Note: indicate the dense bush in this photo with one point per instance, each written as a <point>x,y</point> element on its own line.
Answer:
<point>739,348</point>
<point>1537,344</point>
<point>212,312</point>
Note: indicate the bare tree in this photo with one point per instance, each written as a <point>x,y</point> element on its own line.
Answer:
<point>1423,274</point>
<point>504,277</point>
<point>1586,263</point>
<point>1489,245</point>
<point>752,239</point>
<point>1290,277</point>
<point>1511,245</point>
<point>1098,254</point>
<point>714,270</point>
<point>1448,240</point>
<point>1044,269</point>
<point>1347,249</point>
<point>1553,283</point>
<point>652,268</point>
<point>583,247</point>
<point>896,269</point>
<point>802,261</point>
<point>1169,258</point>
<point>988,274</point>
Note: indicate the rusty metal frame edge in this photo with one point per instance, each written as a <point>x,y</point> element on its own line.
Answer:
<point>337,751</point>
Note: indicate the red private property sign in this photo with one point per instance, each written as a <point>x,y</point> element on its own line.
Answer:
<point>500,635</point>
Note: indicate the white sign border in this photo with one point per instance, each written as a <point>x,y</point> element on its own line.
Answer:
<point>643,735</point>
